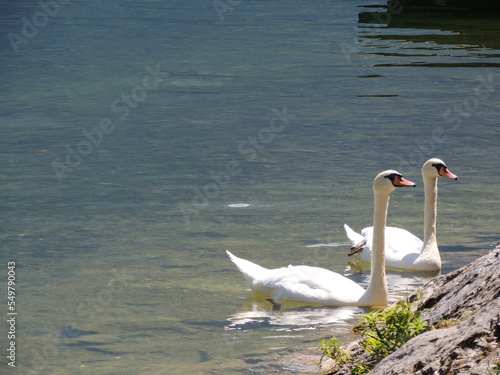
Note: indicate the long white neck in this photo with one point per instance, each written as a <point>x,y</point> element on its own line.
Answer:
<point>430,251</point>
<point>377,294</point>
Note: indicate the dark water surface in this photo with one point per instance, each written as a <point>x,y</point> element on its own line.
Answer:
<point>139,140</point>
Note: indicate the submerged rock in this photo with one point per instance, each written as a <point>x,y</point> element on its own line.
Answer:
<point>463,307</point>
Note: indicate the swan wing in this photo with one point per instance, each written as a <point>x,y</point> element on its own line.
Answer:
<point>313,285</point>
<point>253,273</point>
<point>357,240</point>
<point>400,242</point>
<point>354,237</point>
<point>299,283</point>
<point>401,247</point>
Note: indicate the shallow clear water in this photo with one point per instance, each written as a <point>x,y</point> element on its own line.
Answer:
<point>141,140</point>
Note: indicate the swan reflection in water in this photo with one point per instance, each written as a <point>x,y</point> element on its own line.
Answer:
<point>259,311</point>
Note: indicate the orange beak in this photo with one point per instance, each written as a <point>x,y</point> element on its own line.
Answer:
<point>403,182</point>
<point>443,171</point>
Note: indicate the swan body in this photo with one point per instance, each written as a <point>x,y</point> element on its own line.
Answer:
<point>318,285</point>
<point>403,249</point>
<point>300,283</point>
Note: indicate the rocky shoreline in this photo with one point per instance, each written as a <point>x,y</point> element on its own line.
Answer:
<point>463,307</point>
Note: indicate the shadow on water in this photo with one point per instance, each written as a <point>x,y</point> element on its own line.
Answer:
<point>420,29</point>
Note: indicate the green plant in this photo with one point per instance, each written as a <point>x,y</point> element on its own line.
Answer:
<point>495,370</point>
<point>382,333</point>
<point>331,348</point>
<point>386,330</point>
<point>361,369</point>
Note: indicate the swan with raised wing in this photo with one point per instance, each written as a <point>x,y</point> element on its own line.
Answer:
<point>318,285</point>
<point>403,249</point>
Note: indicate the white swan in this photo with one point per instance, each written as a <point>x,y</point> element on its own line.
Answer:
<point>403,249</point>
<point>318,285</point>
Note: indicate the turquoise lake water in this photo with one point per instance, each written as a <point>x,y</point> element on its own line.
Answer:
<point>140,140</point>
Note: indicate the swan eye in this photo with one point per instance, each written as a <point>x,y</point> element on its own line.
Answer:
<point>393,177</point>
<point>398,180</point>
<point>438,166</point>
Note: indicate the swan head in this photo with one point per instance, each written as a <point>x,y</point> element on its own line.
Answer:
<point>437,168</point>
<point>389,180</point>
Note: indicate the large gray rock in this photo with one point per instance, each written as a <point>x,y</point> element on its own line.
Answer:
<point>464,309</point>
